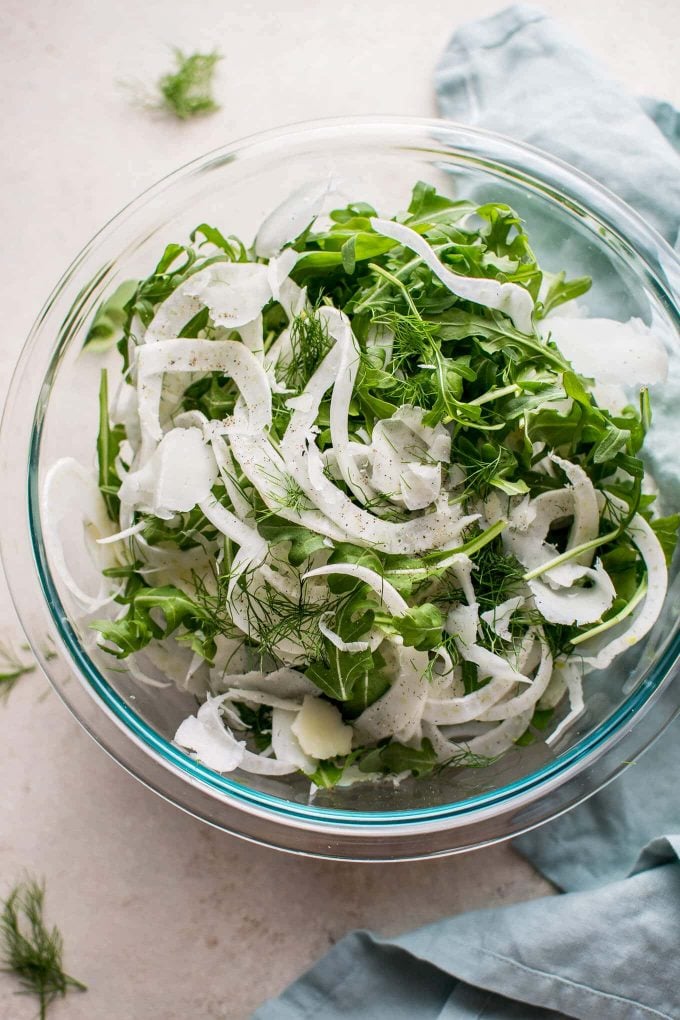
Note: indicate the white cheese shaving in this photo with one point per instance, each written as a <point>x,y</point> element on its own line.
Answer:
<point>320,729</point>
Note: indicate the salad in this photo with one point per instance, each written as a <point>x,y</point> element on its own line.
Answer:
<point>367,490</point>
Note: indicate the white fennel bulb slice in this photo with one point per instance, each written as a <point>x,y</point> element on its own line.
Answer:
<point>509,298</point>
<point>179,474</point>
<point>291,217</point>
<point>286,745</point>
<point>609,351</point>
<point>233,292</point>
<point>215,746</point>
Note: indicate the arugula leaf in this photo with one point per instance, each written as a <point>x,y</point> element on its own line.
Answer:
<point>342,672</point>
<point>420,627</point>
<point>561,290</point>
<point>368,687</point>
<point>110,319</point>
<point>108,447</point>
<point>303,543</point>
<point>396,758</point>
<point>666,530</point>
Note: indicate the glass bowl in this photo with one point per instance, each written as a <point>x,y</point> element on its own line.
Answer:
<point>52,411</point>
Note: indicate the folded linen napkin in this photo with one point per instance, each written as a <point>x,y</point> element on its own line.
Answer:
<point>599,951</point>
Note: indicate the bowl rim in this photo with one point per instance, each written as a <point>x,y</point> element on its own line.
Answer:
<point>565,766</point>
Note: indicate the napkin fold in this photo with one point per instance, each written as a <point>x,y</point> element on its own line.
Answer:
<point>608,954</point>
<point>609,947</point>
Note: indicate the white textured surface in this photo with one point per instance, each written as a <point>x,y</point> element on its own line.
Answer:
<point>162,916</point>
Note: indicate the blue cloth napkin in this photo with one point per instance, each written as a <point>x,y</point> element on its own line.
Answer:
<point>610,946</point>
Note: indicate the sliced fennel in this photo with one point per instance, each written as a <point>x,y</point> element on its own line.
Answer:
<point>371,506</point>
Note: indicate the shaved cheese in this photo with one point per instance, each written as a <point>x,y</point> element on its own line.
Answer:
<point>179,474</point>
<point>320,729</point>
<point>292,216</point>
<point>402,454</point>
<point>509,298</point>
<point>610,351</point>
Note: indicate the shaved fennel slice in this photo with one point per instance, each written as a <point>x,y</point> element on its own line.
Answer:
<point>586,521</point>
<point>227,469</point>
<point>70,489</point>
<point>215,746</point>
<point>234,292</point>
<point>252,337</point>
<point>339,328</point>
<point>286,745</point>
<point>603,649</point>
<point>398,712</point>
<point>509,298</point>
<point>255,697</point>
<point>526,539</point>
<point>233,528</point>
<point>180,473</point>
<point>444,711</point>
<point>283,683</point>
<point>571,676</point>
<point>134,529</point>
<point>525,701</point>
<point>141,677</point>
<point>335,639</point>
<point>172,315</point>
<point>609,351</point>
<point>226,356</point>
<point>462,622</point>
<point>387,593</point>
<point>575,605</point>
<point>279,269</point>
<point>269,475</point>
<point>494,742</point>
<point>499,617</point>
<point>288,220</point>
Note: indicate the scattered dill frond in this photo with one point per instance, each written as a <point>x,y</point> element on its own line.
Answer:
<point>187,91</point>
<point>309,344</point>
<point>13,666</point>
<point>498,575</point>
<point>30,950</point>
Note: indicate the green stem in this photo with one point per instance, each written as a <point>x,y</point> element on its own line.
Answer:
<point>495,394</point>
<point>557,561</point>
<point>612,621</point>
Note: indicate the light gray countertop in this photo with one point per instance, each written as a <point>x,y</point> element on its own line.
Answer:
<point>162,916</point>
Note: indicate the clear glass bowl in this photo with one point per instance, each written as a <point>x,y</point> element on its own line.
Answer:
<point>52,411</point>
